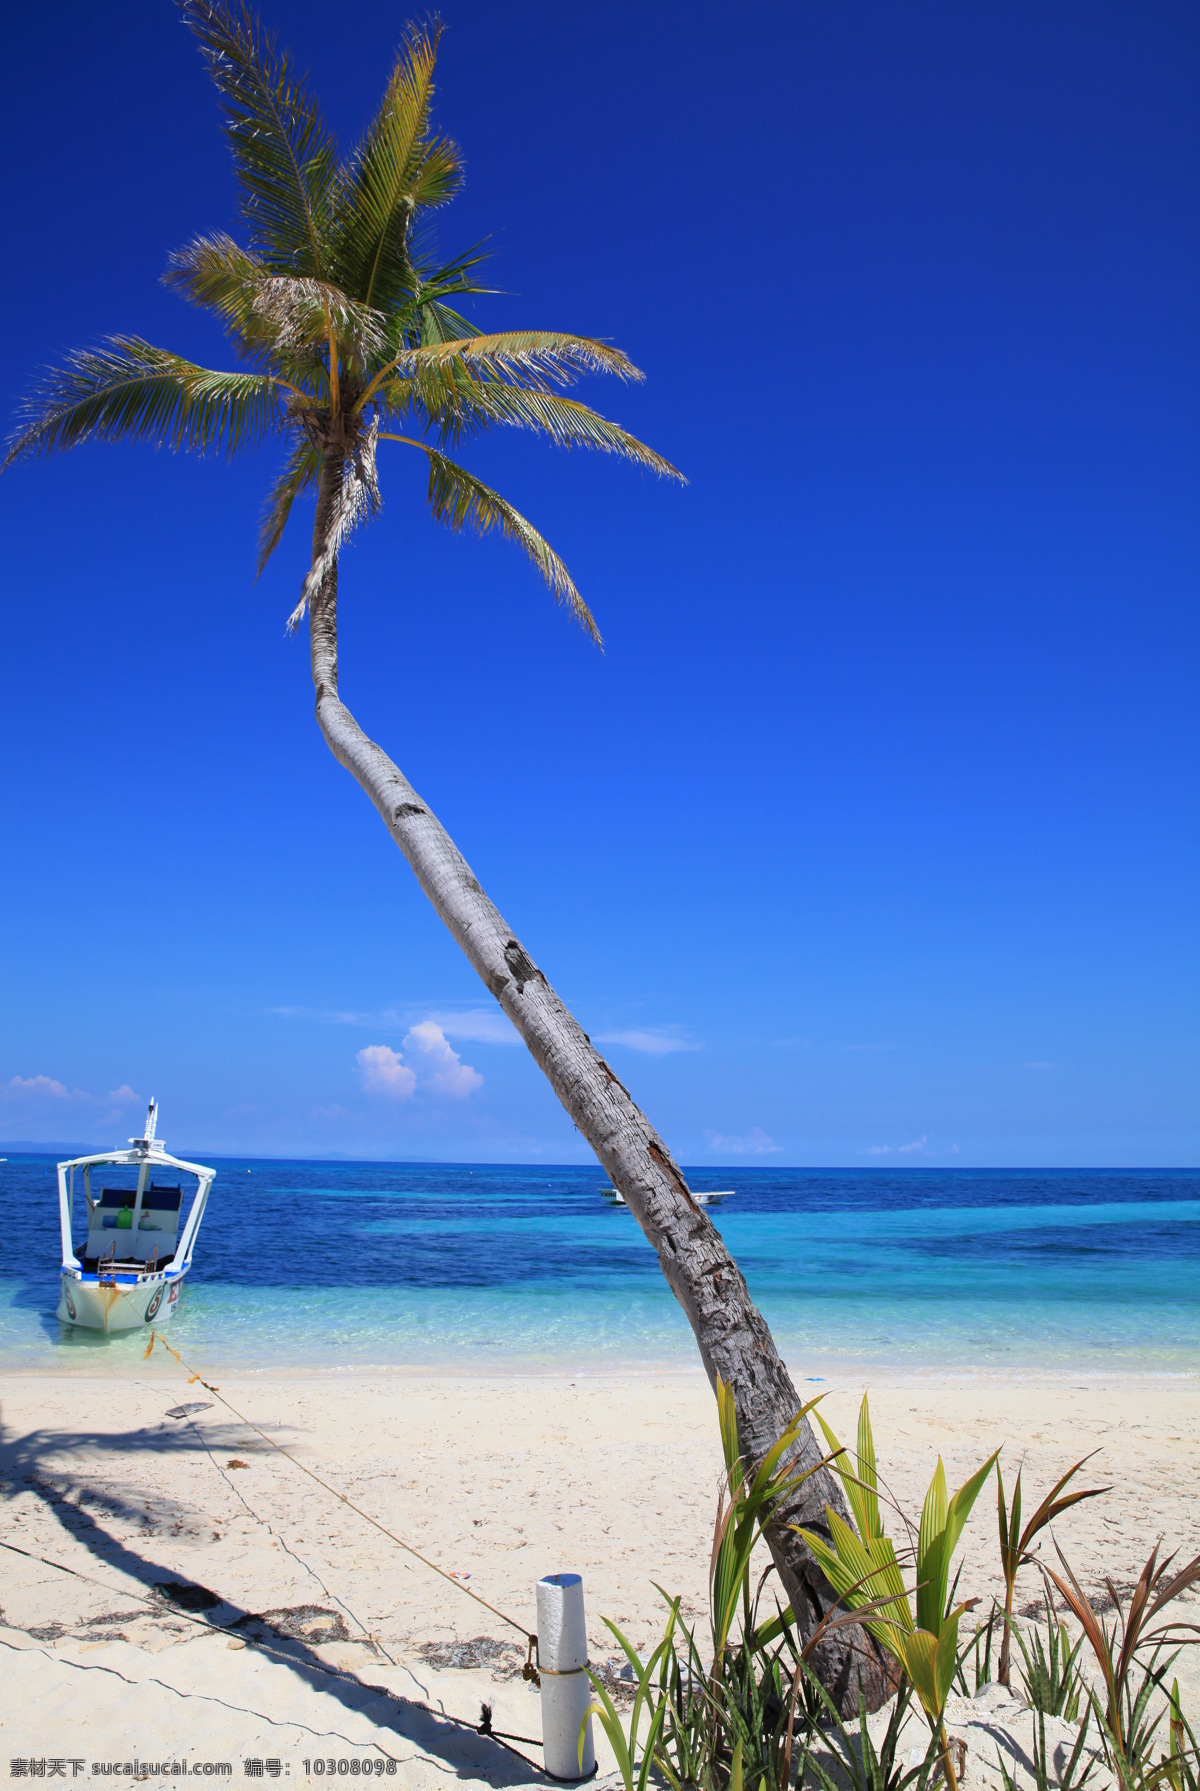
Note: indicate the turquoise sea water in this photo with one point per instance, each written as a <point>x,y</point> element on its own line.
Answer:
<point>352,1264</point>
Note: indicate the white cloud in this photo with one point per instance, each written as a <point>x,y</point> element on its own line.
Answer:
<point>655,1041</point>
<point>898,1150</point>
<point>41,1085</point>
<point>432,1063</point>
<point>53,1089</point>
<point>385,1072</point>
<point>754,1143</point>
<point>444,1070</point>
<point>36,1094</point>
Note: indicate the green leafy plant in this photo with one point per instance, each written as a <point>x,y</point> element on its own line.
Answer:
<point>648,1697</point>
<point>1053,1681</point>
<point>979,1653</point>
<point>1128,1653</point>
<point>686,1731</point>
<point>863,1569</point>
<point>860,1764</point>
<point>1179,1767</point>
<point>1015,1541</point>
<point>1066,1780</point>
<point>743,1510</point>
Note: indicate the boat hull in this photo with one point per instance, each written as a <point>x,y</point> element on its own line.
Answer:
<point>123,1303</point>
<point>712,1197</point>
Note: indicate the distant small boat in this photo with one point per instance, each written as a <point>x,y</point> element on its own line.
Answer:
<point>129,1268</point>
<point>702,1196</point>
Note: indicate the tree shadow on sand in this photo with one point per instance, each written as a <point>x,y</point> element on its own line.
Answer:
<point>288,1636</point>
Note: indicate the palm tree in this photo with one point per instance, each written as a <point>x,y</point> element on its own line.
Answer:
<point>348,336</point>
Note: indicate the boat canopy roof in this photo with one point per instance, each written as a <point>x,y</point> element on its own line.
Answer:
<point>147,1149</point>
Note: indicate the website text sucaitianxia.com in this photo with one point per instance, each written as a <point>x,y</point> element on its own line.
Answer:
<point>70,1766</point>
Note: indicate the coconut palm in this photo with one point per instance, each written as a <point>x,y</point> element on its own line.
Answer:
<point>346,328</point>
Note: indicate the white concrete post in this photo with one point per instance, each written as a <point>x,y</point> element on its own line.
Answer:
<point>566,1688</point>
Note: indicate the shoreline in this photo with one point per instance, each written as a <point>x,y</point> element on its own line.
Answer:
<point>548,1369</point>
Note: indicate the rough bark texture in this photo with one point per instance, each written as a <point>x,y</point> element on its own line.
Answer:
<point>731,1333</point>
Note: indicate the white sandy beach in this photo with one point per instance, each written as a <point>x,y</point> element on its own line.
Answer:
<point>502,1478</point>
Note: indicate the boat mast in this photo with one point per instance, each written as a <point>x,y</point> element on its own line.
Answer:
<point>146,1145</point>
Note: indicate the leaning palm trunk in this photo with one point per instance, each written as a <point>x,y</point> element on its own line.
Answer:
<point>735,1344</point>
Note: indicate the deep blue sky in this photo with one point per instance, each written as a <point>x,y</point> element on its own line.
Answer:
<point>881,806</point>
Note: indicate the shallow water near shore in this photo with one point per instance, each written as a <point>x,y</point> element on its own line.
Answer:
<point>343,1265</point>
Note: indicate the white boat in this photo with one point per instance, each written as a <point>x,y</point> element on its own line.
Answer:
<point>129,1268</point>
<point>703,1197</point>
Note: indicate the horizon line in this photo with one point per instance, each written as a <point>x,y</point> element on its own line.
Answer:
<point>59,1150</point>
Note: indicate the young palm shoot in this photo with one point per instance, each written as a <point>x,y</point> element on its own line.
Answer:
<point>743,1513</point>
<point>1131,1646</point>
<point>1180,1767</point>
<point>860,1564</point>
<point>1015,1541</point>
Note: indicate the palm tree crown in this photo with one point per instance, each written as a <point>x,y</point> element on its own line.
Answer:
<point>342,317</point>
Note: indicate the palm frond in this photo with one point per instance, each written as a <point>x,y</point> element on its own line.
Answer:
<point>440,322</point>
<point>129,388</point>
<point>437,276</point>
<point>548,355</point>
<point>302,311</point>
<point>423,316</point>
<point>216,274</point>
<point>567,422</point>
<point>437,321</point>
<point>449,397</point>
<point>439,176</point>
<point>396,170</point>
<point>300,474</point>
<point>285,159</point>
<point>398,400</point>
<point>459,404</point>
<point>459,499</point>
<point>537,360</point>
<point>285,313</point>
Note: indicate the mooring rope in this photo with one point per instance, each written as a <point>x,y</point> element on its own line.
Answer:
<point>528,1671</point>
